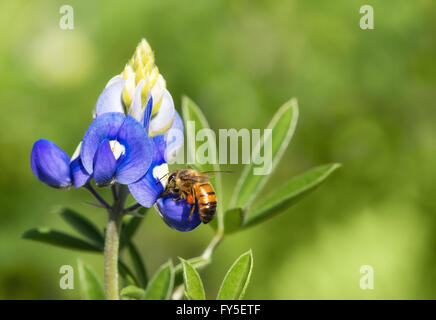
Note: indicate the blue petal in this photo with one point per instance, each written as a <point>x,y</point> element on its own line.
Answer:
<point>159,149</point>
<point>80,176</point>
<point>105,164</point>
<point>139,151</point>
<point>110,100</point>
<point>50,164</point>
<point>147,114</point>
<point>104,127</point>
<point>174,138</point>
<point>176,213</point>
<point>148,188</point>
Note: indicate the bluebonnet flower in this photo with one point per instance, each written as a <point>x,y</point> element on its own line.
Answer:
<point>139,82</point>
<point>135,132</point>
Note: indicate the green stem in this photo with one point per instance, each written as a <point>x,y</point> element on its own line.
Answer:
<point>112,244</point>
<point>212,246</point>
<point>111,256</point>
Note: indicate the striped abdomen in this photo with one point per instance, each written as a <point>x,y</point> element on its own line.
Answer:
<point>206,201</point>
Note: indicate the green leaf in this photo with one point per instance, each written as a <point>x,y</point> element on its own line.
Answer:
<point>139,265</point>
<point>193,285</point>
<point>162,283</point>
<point>290,193</point>
<point>237,278</point>
<point>83,226</point>
<point>132,292</point>
<point>191,112</point>
<point>127,274</point>
<point>283,127</point>
<point>128,228</point>
<point>90,285</point>
<point>233,219</point>
<point>59,239</point>
<point>197,263</point>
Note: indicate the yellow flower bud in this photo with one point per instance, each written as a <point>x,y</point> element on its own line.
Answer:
<point>142,67</point>
<point>140,73</point>
<point>129,87</point>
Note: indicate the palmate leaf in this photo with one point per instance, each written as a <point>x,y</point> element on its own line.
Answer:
<point>139,265</point>
<point>83,226</point>
<point>194,289</point>
<point>60,239</point>
<point>290,193</point>
<point>283,127</point>
<point>162,283</point>
<point>237,278</point>
<point>90,286</point>
<point>191,112</point>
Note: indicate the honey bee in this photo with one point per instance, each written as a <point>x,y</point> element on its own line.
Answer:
<point>195,188</point>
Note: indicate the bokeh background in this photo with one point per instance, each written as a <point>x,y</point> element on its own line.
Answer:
<point>367,100</point>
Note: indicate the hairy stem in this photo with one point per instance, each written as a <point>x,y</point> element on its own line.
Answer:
<point>111,256</point>
<point>112,243</point>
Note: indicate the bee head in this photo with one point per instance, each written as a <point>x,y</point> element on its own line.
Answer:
<point>172,182</point>
<point>171,177</point>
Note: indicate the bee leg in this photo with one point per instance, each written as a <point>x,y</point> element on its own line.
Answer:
<point>191,200</point>
<point>192,211</point>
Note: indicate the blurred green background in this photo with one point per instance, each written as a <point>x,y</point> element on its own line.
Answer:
<point>367,100</point>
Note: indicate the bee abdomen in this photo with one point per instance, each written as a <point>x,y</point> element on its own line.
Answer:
<point>206,201</point>
<point>207,212</point>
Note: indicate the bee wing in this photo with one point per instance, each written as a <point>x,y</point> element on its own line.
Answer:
<point>217,171</point>
<point>213,172</point>
<point>196,179</point>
